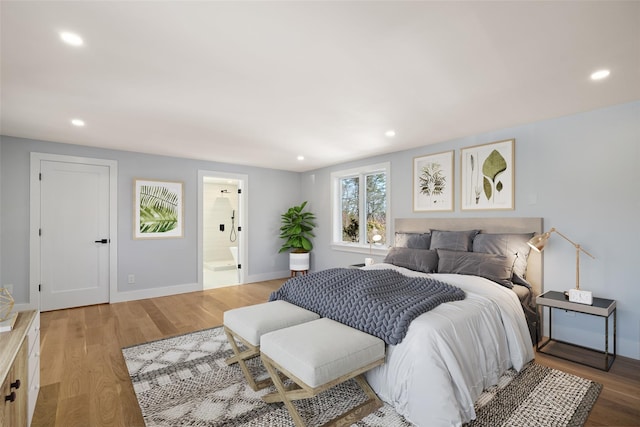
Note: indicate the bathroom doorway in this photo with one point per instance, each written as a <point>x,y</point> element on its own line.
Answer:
<point>221,250</point>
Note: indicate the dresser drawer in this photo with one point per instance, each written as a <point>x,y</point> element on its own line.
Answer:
<point>34,386</point>
<point>33,366</point>
<point>33,334</point>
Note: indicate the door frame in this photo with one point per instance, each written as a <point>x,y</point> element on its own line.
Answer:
<point>243,207</point>
<point>35,220</point>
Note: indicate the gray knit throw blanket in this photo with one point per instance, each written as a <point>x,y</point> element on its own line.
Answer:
<point>381,303</point>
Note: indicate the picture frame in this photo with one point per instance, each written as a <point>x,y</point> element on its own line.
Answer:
<point>158,209</point>
<point>433,182</point>
<point>487,176</point>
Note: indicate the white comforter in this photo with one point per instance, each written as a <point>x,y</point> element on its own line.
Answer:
<point>453,352</point>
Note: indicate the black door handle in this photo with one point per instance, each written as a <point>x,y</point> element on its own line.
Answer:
<point>104,241</point>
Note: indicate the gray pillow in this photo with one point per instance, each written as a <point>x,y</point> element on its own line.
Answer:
<point>497,268</point>
<point>423,260</point>
<point>453,240</point>
<point>413,240</point>
<point>506,245</point>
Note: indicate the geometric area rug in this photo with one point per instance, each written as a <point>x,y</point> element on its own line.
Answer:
<point>184,381</point>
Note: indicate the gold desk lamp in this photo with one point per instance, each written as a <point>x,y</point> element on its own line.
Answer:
<point>374,241</point>
<point>538,243</point>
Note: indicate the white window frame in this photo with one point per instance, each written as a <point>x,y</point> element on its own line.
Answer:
<point>336,217</point>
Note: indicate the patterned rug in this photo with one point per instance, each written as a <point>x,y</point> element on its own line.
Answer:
<point>184,381</point>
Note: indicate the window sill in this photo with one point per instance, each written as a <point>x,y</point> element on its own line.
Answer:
<point>361,249</point>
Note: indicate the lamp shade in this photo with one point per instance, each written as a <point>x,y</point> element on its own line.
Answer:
<point>539,241</point>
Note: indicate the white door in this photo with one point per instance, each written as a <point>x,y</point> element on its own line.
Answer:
<point>74,234</point>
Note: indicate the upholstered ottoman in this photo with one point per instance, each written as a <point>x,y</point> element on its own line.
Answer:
<point>316,356</point>
<point>248,324</point>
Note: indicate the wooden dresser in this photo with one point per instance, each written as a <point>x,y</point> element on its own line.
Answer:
<point>20,370</point>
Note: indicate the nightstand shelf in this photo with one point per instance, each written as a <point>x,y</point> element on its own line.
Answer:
<point>601,307</point>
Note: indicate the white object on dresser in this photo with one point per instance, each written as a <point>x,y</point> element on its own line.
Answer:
<point>6,325</point>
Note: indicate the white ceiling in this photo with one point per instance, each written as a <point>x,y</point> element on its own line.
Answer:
<point>259,83</point>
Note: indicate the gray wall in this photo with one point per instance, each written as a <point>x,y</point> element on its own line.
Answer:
<point>581,173</point>
<point>155,263</point>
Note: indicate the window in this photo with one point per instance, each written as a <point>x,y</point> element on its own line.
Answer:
<point>361,206</point>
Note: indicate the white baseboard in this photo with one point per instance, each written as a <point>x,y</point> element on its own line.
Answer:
<point>24,307</point>
<point>123,296</point>
<point>154,292</point>
<point>190,287</point>
<point>267,276</point>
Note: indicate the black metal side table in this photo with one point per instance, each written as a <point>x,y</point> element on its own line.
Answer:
<point>600,307</point>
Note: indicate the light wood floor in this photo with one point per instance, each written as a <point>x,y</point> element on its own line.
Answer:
<point>84,380</point>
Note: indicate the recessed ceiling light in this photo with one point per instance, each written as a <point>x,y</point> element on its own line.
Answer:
<point>300,158</point>
<point>600,74</point>
<point>71,38</point>
<point>77,122</point>
<point>390,133</point>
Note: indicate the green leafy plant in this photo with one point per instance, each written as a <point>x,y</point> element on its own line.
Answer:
<point>296,229</point>
<point>158,209</point>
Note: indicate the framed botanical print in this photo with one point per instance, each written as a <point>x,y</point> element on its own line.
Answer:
<point>158,209</point>
<point>487,175</point>
<point>433,182</point>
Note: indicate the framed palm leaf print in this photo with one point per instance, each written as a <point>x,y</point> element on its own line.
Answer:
<point>487,174</point>
<point>158,209</point>
<point>433,182</point>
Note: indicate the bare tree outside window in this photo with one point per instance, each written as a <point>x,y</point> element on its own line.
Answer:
<point>350,202</point>
<point>376,206</point>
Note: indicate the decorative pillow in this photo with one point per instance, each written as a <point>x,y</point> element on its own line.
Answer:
<point>518,280</point>
<point>413,240</point>
<point>423,260</point>
<point>453,240</point>
<point>506,245</point>
<point>497,268</point>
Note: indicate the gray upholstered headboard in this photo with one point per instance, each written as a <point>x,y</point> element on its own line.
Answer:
<point>485,225</point>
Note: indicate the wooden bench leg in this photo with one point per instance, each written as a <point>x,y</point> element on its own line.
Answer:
<point>282,392</point>
<point>362,410</point>
<point>240,357</point>
<point>300,390</point>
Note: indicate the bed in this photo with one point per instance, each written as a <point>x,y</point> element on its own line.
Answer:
<point>454,351</point>
<point>530,266</point>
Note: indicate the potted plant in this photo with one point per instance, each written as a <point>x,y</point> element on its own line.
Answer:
<point>297,230</point>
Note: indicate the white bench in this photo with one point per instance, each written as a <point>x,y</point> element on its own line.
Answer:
<point>248,324</point>
<point>316,356</point>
